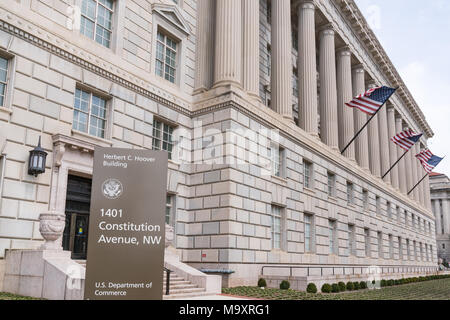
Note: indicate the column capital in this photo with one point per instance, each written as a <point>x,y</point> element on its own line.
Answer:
<point>326,30</point>
<point>343,51</point>
<point>358,68</point>
<point>305,4</point>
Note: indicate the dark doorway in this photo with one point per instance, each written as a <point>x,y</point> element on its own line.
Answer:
<point>78,203</point>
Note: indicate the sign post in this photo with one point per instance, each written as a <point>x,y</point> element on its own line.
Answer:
<point>125,256</point>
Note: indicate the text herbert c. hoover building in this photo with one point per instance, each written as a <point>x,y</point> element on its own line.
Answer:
<point>201,79</point>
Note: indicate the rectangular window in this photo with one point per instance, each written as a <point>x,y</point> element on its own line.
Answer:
<point>400,248</point>
<point>367,242</point>
<point>391,247</point>
<point>89,113</point>
<point>166,57</point>
<point>2,170</point>
<point>170,217</point>
<point>276,227</point>
<point>277,157</point>
<point>3,80</point>
<point>331,184</point>
<point>365,200</point>
<point>398,212</point>
<point>349,193</point>
<point>389,210</point>
<point>377,205</point>
<point>307,174</point>
<point>96,20</point>
<point>380,245</point>
<point>308,233</point>
<point>332,236</point>
<point>162,137</point>
<point>408,249</point>
<point>351,240</point>
<point>415,249</point>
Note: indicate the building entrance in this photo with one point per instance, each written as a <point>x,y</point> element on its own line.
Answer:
<point>78,200</point>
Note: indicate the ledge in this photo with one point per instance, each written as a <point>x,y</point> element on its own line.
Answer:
<point>5,110</point>
<point>94,140</point>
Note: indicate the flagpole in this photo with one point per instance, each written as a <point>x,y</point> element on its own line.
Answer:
<point>404,154</point>
<point>423,178</point>
<point>360,130</point>
<point>417,185</point>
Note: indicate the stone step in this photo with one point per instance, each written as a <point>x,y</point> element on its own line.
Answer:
<point>181,286</point>
<point>187,290</point>
<point>177,282</point>
<point>185,295</point>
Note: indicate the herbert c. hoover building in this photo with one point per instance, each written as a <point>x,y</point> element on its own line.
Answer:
<point>247,97</point>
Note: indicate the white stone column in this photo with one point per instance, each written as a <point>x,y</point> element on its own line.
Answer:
<point>401,165</point>
<point>307,68</point>
<point>437,215</point>
<point>410,178</point>
<point>415,174</point>
<point>344,94</point>
<point>281,77</point>
<point>392,147</point>
<point>250,13</point>
<point>445,216</point>
<point>360,119</point>
<point>228,47</point>
<point>374,143</point>
<point>384,143</point>
<point>420,173</point>
<point>204,69</point>
<point>328,89</point>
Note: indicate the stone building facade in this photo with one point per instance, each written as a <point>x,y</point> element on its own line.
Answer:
<point>248,99</point>
<point>440,199</point>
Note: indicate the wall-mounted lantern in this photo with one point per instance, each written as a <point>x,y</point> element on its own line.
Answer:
<point>36,164</point>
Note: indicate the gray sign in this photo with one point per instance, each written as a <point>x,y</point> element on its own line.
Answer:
<point>125,256</point>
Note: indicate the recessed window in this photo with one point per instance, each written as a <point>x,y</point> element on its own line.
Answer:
<point>380,245</point>
<point>365,195</point>
<point>391,247</point>
<point>408,249</point>
<point>166,57</point>
<point>389,210</point>
<point>349,193</point>
<point>307,174</point>
<point>170,210</point>
<point>276,154</point>
<point>89,113</point>
<point>331,185</point>
<point>96,20</point>
<point>3,80</point>
<point>351,240</point>
<point>332,236</point>
<point>367,242</point>
<point>400,248</point>
<point>377,205</point>
<point>276,227</point>
<point>308,233</point>
<point>162,137</point>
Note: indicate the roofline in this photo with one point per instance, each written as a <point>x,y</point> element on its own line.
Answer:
<point>368,37</point>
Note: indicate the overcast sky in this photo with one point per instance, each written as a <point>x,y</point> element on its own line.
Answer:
<point>416,36</point>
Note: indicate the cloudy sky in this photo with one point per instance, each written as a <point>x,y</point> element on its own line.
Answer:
<point>416,36</point>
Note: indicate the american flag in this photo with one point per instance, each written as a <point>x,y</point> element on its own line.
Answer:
<point>406,139</point>
<point>371,100</point>
<point>428,160</point>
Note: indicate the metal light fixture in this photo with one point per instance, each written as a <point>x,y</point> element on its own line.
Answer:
<point>36,164</point>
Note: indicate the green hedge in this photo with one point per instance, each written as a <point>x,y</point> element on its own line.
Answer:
<point>311,288</point>
<point>326,288</point>
<point>284,285</point>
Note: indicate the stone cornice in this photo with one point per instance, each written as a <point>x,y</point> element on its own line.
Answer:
<point>366,36</point>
